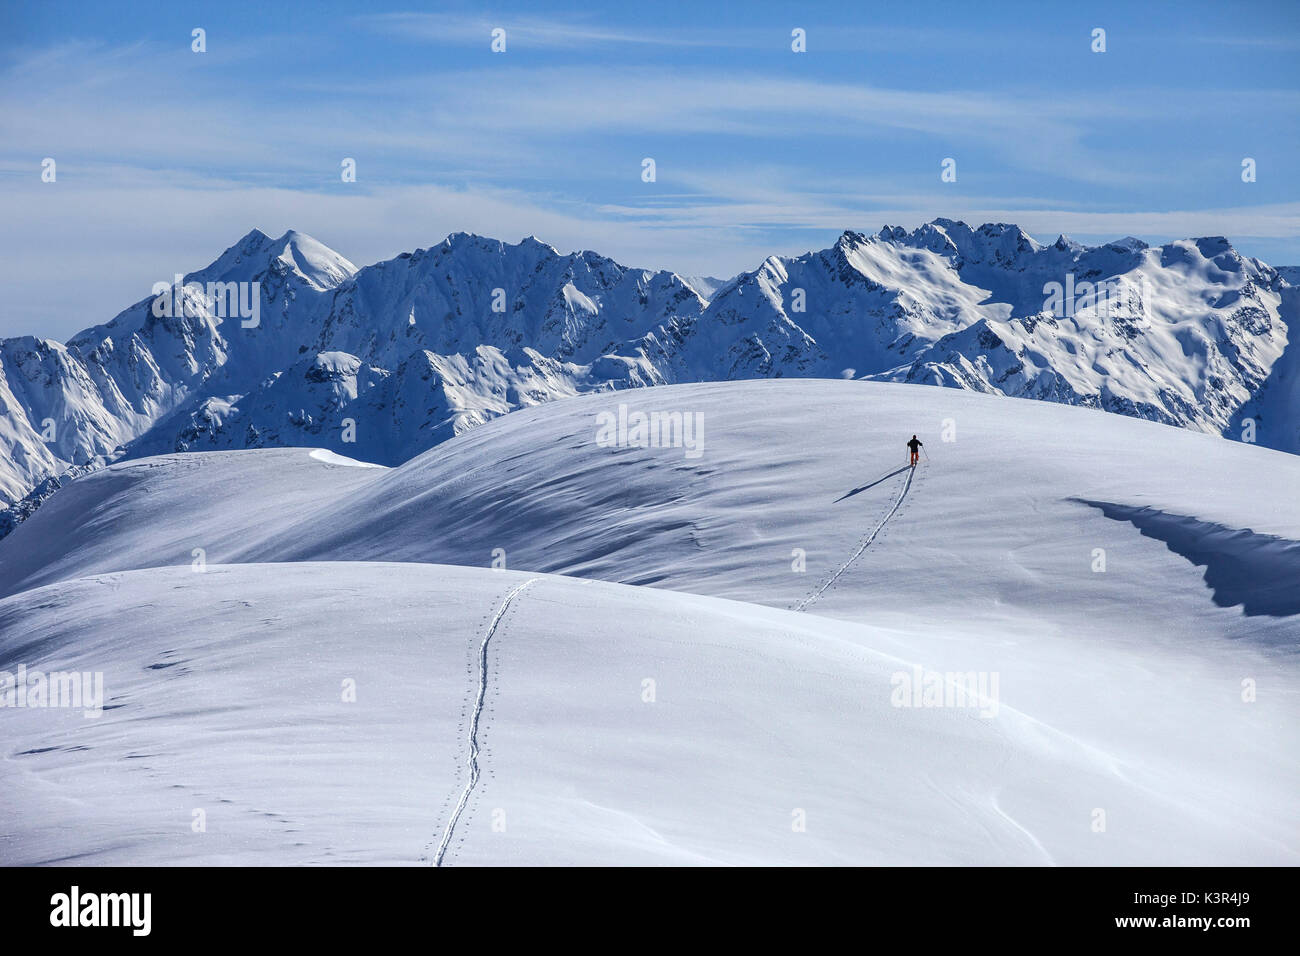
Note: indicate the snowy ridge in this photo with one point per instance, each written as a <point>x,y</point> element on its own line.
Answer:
<point>384,362</point>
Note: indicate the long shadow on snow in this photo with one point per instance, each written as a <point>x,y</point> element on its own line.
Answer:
<point>872,485</point>
<point>1261,572</point>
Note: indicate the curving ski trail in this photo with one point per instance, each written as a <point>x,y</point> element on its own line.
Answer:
<point>472,760</point>
<point>862,546</point>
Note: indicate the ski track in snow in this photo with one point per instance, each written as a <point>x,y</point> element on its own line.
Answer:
<point>472,760</point>
<point>857,552</point>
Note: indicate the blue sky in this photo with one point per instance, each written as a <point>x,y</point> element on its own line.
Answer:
<point>165,156</point>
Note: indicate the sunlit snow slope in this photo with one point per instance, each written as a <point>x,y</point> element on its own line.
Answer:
<point>1118,690</point>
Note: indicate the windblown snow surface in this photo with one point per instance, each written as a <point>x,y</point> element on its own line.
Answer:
<point>688,658</point>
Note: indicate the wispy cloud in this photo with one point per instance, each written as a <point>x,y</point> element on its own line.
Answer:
<point>824,31</point>
<point>507,121</point>
<point>449,28</point>
<point>164,155</point>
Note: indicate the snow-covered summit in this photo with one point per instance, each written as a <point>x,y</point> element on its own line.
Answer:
<point>444,338</point>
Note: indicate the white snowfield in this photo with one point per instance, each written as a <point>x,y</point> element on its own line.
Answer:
<point>637,689</point>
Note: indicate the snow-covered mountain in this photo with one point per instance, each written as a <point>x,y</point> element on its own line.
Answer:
<point>79,404</point>
<point>1186,334</point>
<point>684,660</point>
<point>384,362</point>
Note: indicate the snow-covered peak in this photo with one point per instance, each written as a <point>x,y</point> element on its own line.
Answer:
<point>1128,244</point>
<point>461,241</point>
<point>993,242</point>
<point>1000,241</point>
<point>935,238</point>
<point>311,259</point>
<point>254,238</point>
<point>532,242</point>
<point>251,255</point>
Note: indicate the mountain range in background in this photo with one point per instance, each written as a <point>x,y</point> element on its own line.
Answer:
<point>384,362</point>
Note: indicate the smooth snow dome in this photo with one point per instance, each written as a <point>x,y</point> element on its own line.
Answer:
<point>644,691</point>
